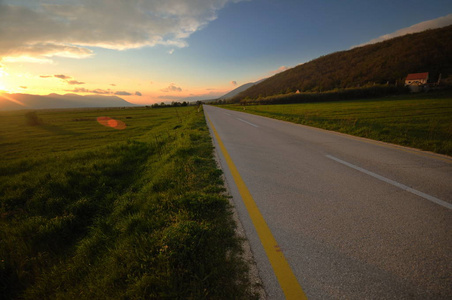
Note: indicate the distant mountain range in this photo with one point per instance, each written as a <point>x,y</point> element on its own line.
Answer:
<point>237,91</point>
<point>27,101</point>
<point>212,97</point>
<point>196,98</point>
<point>387,62</point>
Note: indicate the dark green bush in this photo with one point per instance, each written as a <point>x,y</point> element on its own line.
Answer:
<point>32,119</point>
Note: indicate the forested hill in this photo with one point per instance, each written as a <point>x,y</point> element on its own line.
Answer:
<point>388,61</point>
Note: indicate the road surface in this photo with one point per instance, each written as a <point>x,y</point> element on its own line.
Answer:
<point>352,218</point>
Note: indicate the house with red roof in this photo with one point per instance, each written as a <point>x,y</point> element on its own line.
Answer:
<point>417,81</point>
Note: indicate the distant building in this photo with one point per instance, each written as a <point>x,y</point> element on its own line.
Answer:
<point>416,81</point>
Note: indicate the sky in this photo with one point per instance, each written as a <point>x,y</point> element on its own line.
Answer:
<point>152,51</point>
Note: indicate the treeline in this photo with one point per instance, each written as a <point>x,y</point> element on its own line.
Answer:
<point>172,104</point>
<point>384,63</point>
<point>334,95</point>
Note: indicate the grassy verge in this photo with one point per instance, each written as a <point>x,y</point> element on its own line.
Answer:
<point>88,211</point>
<point>421,121</point>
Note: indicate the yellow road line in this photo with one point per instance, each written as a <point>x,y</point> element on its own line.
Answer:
<point>287,280</point>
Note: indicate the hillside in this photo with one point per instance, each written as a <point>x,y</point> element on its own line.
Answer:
<point>388,61</point>
<point>26,101</point>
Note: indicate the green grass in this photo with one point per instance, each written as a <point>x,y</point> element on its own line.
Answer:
<point>91,212</point>
<point>421,121</point>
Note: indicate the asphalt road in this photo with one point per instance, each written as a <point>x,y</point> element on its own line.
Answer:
<point>354,218</point>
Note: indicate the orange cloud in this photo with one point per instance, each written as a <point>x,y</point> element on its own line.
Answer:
<point>73,82</point>
<point>279,70</point>
<point>172,88</point>
<point>61,76</point>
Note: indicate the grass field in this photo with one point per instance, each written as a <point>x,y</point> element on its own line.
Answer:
<point>93,212</point>
<point>422,121</point>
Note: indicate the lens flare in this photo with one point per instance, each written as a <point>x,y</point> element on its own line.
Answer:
<point>112,123</point>
<point>109,122</point>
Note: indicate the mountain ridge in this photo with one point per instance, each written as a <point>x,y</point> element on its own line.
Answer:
<point>56,101</point>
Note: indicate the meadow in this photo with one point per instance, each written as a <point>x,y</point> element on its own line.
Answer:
<point>93,212</point>
<point>422,121</point>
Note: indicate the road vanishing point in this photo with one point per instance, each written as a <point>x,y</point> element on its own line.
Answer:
<point>333,216</point>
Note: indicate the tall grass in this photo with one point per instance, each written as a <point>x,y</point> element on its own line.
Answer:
<point>88,211</point>
<point>421,121</point>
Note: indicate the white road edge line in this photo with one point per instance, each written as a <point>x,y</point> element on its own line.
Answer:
<point>227,114</point>
<point>247,122</point>
<point>395,183</point>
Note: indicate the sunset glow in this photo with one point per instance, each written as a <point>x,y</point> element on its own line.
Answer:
<point>150,51</point>
<point>2,83</point>
<point>4,97</point>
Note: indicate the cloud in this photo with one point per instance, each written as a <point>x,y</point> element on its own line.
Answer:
<point>25,59</point>
<point>40,52</point>
<point>23,87</point>
<point>38,30</point>
<point>171,51</point>
<point>234,83</point>
<point>96,91</point>
<point>100,91</point>
<point>138,94</point>
<point>79,90</point>
<point>123,93</point>
<point>279,70</point>
<point>431,24</point>
<point>64,77</point>
<point>112,84</point>
<point>73,82</point>
<point>172,88</point>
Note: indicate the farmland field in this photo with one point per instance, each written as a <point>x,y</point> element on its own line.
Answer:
<point>420,121</point>
<point>132,212</point>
